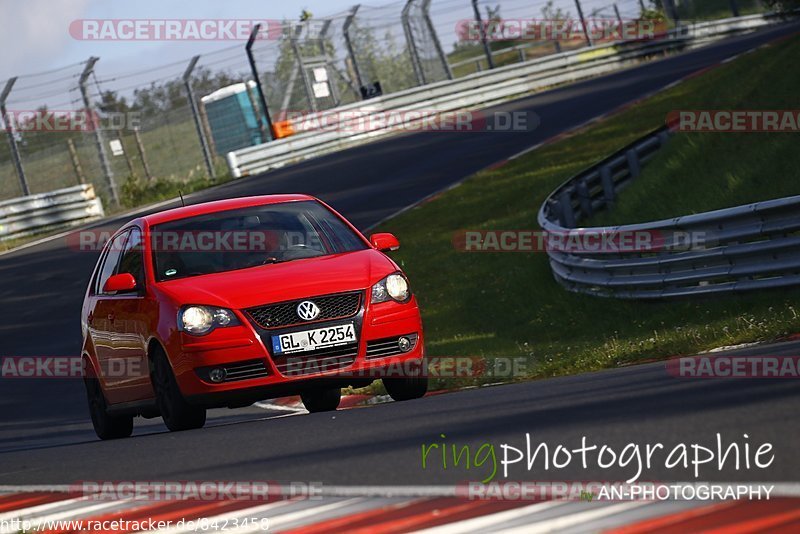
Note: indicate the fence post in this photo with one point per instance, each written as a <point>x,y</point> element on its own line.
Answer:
<point>12,141</point>
<point>426,5</point>
<point>349,43</point>
<point>262,129</point>
<point>98,133</point>
<point>583,23</point>
<point>252,60</point>
<point>482,29</point>
<point>669,9</point>
<point>127,157</point>
<point>187,82</point>
<point>76,163</point>
<point>734,8</point>
<point>412,48</point>
<point>142,156</point>
<point>303,73</point>
<point>329,66</point>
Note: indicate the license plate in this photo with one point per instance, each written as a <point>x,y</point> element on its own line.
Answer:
<point>319,338</point>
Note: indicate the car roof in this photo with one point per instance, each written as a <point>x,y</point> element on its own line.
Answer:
<point>220,205</point>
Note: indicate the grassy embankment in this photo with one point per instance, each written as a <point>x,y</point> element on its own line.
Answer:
<point>508,305</point>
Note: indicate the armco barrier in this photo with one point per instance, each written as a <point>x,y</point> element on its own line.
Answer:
<point>476,91</point>
<point>29,215</point>
<point>735,249</point>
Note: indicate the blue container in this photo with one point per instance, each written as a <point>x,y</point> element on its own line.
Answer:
<point>232,119</point>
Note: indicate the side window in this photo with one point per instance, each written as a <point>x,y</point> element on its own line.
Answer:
<point>110,262</point>
<point>133,259</point>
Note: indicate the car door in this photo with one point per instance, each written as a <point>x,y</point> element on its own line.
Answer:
<point>132,318</point>
<point>102,314</point>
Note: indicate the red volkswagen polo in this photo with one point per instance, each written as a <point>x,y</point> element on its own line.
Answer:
<point>226,303</point>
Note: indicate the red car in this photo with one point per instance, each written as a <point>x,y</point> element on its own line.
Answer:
<point>227,303</point>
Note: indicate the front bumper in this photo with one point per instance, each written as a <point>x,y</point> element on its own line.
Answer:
<point>257,373</point>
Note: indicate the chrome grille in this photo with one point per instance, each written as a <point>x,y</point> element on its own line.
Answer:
<point>284,314</point>
<point>318,361</point>
<point>380,348</point>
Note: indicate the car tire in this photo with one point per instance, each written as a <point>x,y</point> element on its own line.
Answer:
<point>178,415</point>
<point>105,426</point>
<point>322,400</point>
<point>408,388</point>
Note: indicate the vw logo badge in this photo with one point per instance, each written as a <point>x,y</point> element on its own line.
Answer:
<point>307,310</point>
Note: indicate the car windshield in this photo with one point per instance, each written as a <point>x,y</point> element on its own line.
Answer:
<point>249,237</point>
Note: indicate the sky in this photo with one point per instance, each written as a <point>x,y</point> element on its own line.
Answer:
<point>36,36</point>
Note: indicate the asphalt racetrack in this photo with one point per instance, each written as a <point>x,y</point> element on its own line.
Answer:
<point>46,436</point>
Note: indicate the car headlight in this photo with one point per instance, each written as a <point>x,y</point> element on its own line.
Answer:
<point>393,287</point>
<point>200,320</point>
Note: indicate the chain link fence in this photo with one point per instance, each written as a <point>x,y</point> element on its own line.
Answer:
<point>175,122</point>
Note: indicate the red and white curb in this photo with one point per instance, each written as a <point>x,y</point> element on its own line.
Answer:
<point>378,511</point>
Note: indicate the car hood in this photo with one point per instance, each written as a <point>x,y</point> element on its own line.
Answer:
<point>279,282</point>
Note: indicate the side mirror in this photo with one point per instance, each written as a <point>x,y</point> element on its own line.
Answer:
<point>120,283</point>
<point>384,242</point>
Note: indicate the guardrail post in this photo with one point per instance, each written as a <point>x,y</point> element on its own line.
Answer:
<point>349,44</point>
<point>663,137</point>
<point>187,82</point>
<point>567,216</point>
<point>583,23</point>
<point>607,179</point>
<point>254,69</point>
<point>482,29</point>
<point>98,132</point>
<point>583,198</point>
<point>412,47</point>
<point>633,162</point>
<point>12,141</point>
<point>426,4</point>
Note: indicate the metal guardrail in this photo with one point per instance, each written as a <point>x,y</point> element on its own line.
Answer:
<point>475,91</point>
<point>23,216</point>
<point>756,246</point>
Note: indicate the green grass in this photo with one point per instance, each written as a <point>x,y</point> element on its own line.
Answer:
<point>508,304</point>
<point>716,9</point>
